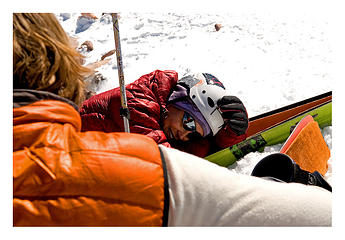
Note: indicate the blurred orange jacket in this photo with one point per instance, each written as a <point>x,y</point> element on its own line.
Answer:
<point>63,177</point>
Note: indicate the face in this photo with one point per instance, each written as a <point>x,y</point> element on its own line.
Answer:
<point>173,125</point>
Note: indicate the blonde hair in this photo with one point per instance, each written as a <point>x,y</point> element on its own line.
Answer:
<point>44,59</point>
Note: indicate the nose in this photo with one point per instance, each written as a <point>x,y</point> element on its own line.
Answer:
<point>183,135</point>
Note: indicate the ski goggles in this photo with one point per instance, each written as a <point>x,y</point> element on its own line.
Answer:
<point>188,122</point>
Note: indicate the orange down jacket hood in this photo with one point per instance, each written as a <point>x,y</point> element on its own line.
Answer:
<point>62,177</point>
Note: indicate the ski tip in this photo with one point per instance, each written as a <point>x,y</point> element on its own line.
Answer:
<point>297,129</point>
<point>307,147</point>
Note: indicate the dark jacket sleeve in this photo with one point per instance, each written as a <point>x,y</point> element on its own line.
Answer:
<point>226,138</point>
<point>200,148</point>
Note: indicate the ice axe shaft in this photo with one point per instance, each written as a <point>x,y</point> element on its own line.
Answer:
<point>124,112</point>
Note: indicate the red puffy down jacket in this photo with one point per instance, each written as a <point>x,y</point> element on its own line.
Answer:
<point>146,99</point>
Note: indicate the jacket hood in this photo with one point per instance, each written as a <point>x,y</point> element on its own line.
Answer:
<point>23,97</point>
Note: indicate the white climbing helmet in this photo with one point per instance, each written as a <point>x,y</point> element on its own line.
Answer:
<point>205,90</point>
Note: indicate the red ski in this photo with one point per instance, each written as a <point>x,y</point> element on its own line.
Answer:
<point>264,121</point>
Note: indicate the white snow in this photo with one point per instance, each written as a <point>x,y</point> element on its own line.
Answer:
<point>266,59</point>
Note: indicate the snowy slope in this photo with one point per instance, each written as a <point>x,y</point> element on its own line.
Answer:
<point>267,60</point>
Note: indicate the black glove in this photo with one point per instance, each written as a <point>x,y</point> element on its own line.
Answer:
<point>234,113</point>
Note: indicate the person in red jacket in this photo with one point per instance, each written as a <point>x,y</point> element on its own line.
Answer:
<point>195,108</point>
